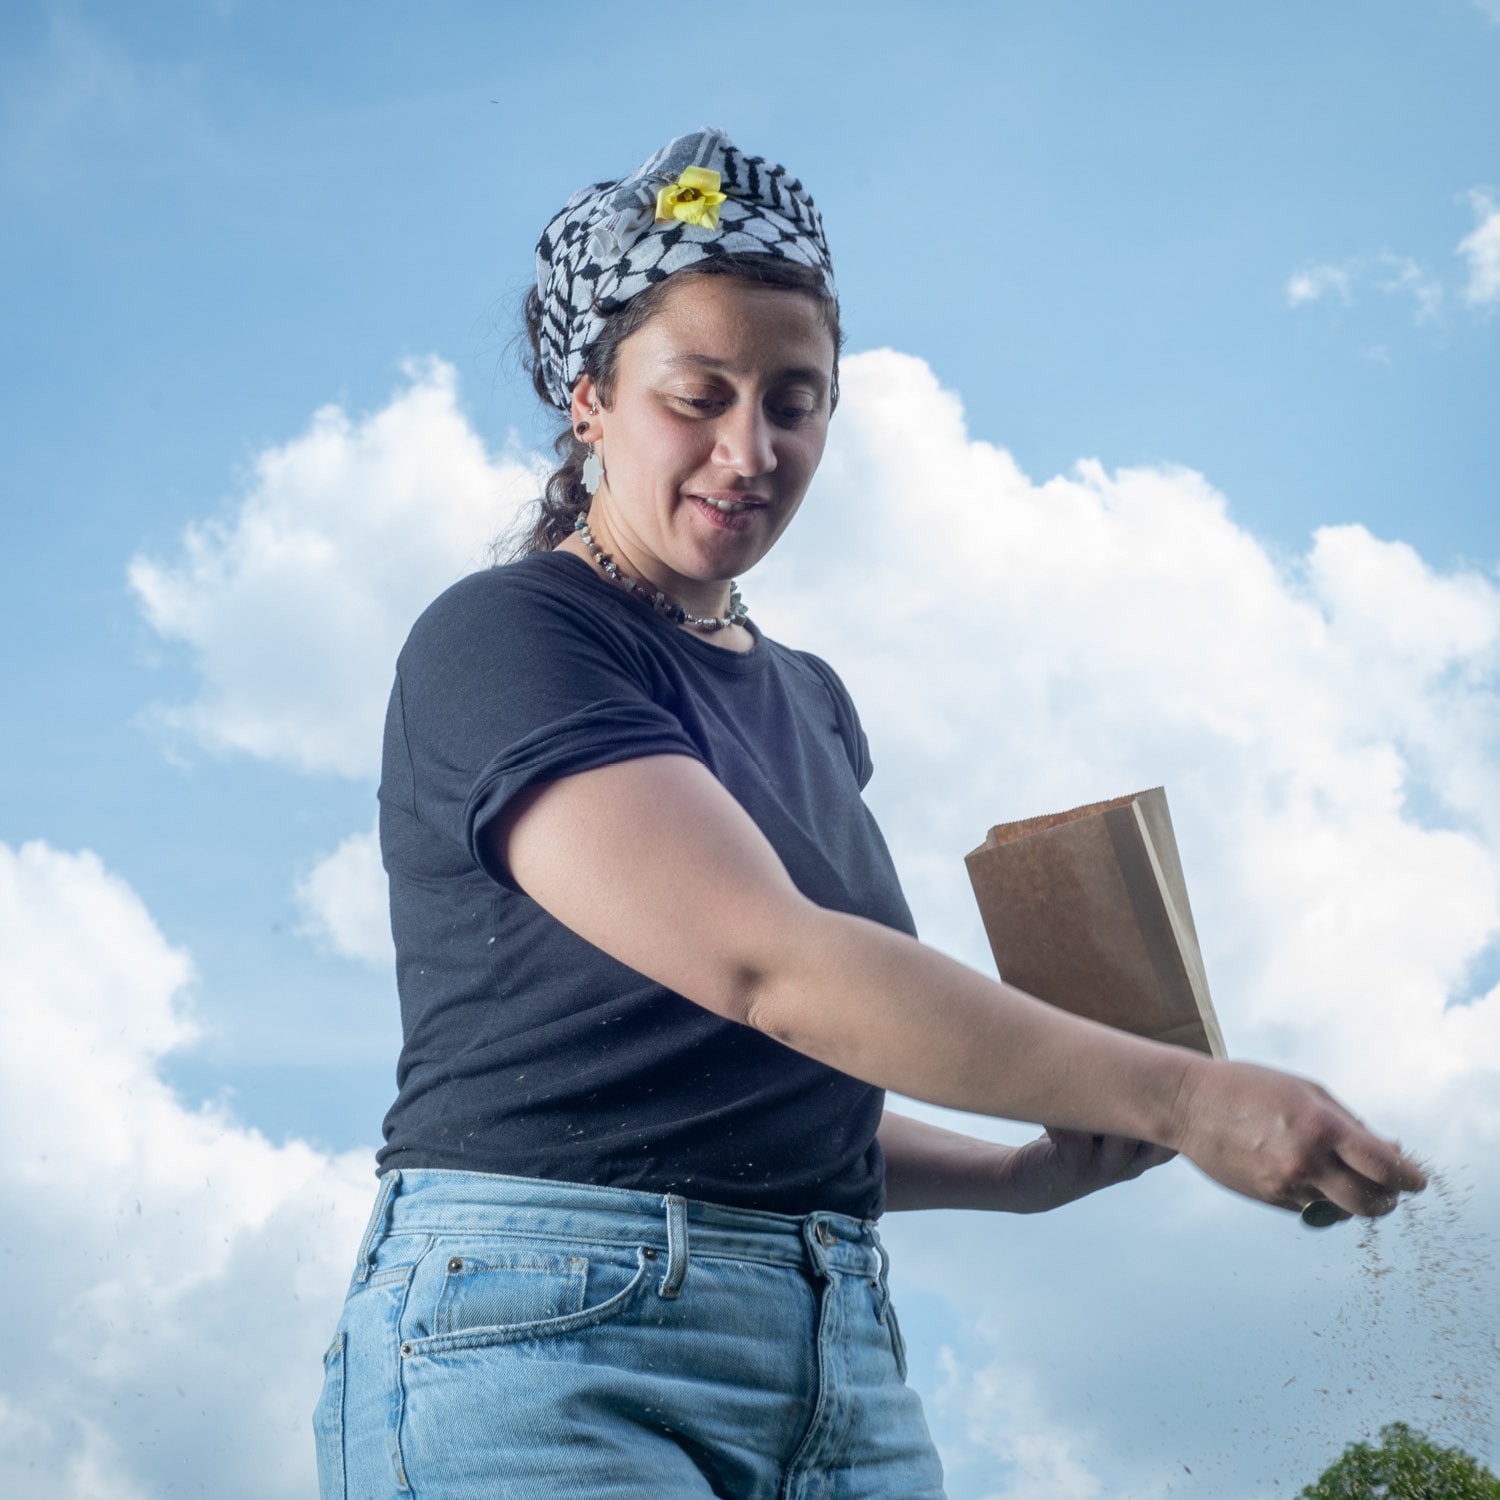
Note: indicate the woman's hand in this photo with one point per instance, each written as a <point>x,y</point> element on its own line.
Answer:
<point>1063,1165</point>
<point>1287,1141</point>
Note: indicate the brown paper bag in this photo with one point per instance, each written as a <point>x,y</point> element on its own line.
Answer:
<point>1088,910</point>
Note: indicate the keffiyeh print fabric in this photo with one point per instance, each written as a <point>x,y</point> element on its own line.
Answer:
<point>608,245</point>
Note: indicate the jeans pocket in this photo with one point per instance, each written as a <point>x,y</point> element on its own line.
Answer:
<point>507,1286</point>
<point>509,1296</point>
<point>328,1423</point>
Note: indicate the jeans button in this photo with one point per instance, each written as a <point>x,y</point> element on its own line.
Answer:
<point>826,1236</point>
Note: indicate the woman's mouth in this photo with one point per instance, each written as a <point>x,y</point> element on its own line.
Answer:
<point>728,512</point>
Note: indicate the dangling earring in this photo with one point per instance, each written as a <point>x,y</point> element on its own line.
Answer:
<point>593,465</point>
<point>593,470</point>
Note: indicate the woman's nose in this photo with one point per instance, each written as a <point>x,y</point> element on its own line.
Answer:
<point>745,442</point>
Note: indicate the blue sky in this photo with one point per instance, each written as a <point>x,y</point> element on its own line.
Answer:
<point>1249,255</point>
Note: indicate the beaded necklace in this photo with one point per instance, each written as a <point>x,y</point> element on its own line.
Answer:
<point>655,598</point>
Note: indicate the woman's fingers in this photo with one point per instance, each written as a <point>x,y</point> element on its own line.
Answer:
<point>1365,1177</point>
<point>1129,1159</point>
<point>1363,1193</point>
<point>1340,1194</point>
<point>1122,1158</point>
<point>1106,1158</point>
<point>1382,1163</point>
<point>1148,1156</point>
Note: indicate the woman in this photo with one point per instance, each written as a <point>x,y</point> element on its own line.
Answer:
<point>655,966</point>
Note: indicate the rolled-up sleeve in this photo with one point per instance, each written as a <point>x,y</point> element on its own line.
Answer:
<point>502,686</point>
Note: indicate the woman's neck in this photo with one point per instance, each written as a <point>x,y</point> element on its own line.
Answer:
<point>707,599</point>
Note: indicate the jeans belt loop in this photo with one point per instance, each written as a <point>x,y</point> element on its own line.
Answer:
<point>813,1230</point>
<point>677,1246</point>
<point>364,1262</point>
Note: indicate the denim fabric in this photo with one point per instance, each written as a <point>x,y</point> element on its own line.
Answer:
<point>514,1339</point>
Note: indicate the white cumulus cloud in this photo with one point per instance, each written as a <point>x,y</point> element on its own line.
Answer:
<point>1481,249</point>
<point>295,604</point>
<point>174,1274</point>
<point>343,900</point>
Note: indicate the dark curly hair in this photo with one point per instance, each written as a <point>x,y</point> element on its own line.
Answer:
<point>564,495</point>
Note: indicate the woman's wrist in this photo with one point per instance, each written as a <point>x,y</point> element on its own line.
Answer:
<point>927,1166</point>
<point>1169,1113</point>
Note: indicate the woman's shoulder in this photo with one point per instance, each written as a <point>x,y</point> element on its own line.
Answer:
<point>538,579</point>
<point>546,591</point>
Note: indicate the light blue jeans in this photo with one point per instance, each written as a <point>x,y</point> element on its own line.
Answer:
<point>508,1338</point>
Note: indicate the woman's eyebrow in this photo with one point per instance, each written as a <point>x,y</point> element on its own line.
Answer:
<point>712,362</point>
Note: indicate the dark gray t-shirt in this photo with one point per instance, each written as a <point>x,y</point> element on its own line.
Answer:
<point>527,1050</point>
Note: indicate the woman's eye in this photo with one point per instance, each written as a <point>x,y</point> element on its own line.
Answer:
<point>786,413</point>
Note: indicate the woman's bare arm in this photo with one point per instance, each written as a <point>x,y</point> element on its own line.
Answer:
<point>927,1166</point>
<point>652,861</point>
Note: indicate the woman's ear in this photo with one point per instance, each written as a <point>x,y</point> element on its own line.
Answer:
<point>585,405</point>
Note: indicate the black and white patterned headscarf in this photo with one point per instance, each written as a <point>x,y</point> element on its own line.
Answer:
<point>615,239</point>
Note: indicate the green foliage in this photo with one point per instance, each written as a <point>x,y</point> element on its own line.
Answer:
<point>1406,1466</point>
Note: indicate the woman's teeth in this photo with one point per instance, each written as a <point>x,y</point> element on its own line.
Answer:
<point>728,507</point>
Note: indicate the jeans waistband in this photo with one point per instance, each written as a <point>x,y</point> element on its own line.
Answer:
<point>437,1200</point>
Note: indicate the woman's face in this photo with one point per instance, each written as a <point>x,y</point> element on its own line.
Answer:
<point>717,423</point>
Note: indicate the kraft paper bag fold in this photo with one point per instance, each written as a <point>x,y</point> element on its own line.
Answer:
<point>1088,910</point>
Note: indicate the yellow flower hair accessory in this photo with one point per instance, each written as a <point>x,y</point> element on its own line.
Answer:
<point>694,198</point>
